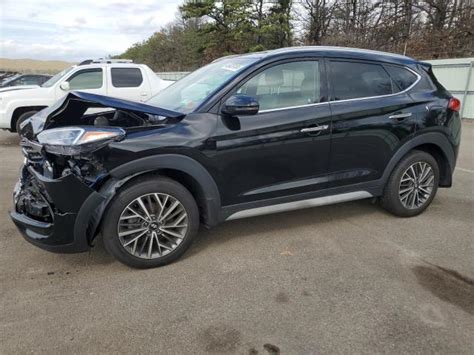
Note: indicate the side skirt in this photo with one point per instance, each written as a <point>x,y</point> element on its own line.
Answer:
<point>295,205</point>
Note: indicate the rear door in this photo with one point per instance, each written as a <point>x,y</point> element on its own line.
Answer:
<point>283,150</point>
<point>372,117</point>
<point>128,83</point>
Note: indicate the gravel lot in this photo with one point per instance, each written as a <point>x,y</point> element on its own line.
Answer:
<point>346,278</point>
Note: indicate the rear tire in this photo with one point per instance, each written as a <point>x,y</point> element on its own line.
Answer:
<point>412,185</point>
<point>164,215</point>
<point>22,118</point>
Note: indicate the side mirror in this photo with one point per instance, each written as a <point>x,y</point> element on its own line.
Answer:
<point>65,86</point>
<point>241,105</point>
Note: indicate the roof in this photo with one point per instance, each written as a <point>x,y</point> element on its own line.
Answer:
<point>330,51</point>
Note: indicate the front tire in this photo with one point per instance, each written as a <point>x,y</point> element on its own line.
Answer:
<point>412,185</point>
<point>22,118</point>
<point>151,223</point>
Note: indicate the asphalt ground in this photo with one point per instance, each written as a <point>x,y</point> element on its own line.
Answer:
<point>345,278</point>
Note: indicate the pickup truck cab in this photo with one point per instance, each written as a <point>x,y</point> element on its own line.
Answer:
<point>116,78</point>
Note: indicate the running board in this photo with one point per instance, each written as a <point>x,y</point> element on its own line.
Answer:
<point>296,205</point>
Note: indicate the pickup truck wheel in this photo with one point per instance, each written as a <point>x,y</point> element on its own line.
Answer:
<point>22,118</point>
<point>151,223</point>
<point>412,185</point>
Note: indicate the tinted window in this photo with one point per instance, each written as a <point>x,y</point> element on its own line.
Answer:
<point>43,79</point>
<point>31,80</point>
<point>285,85</point>
<point>126,77</point>
<point>401,76</point>
<point>352,80</point>
<point>427,81</point>
<point>86,79</point>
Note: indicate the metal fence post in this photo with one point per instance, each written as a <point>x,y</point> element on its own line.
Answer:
<point>466,89</point>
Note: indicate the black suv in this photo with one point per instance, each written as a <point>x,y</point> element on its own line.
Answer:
<point>243,136</point>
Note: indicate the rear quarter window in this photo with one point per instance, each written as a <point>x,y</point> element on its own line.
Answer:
<point>402,77</point>
<point>126,77</point>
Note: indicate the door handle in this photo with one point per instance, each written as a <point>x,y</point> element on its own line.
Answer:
<point>400,116</point>
<point>314,129</point>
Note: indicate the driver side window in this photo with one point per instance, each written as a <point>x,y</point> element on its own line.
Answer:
<point>86,79</point>
<point>285,85</point>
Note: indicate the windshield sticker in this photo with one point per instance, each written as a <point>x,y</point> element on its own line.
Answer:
<point>232,66</point>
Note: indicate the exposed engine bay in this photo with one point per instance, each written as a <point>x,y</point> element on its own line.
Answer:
<point>75,110</point>
<point>64,142</point>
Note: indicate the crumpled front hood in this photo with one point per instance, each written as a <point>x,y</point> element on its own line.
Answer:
<point>75,104</point>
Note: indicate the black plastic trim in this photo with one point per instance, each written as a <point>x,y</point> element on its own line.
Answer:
<point>375,188</point>
<point>436,138</point>
<point>185,164</point>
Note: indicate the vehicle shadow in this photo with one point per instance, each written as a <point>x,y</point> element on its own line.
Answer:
<point>250,228</point>
<point>254,227</point>
<point>285,221</point>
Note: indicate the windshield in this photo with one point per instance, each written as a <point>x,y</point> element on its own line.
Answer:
<point>10,80</point>
<point>187,93</point>
<point>56,78</point>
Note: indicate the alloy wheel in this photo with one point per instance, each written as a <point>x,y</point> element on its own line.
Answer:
<point>152,225</point>
<point>416,185</point>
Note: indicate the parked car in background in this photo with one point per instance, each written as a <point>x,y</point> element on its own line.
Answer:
<point>25,79</point>
<point>243,136</point>
<point>115,78</point>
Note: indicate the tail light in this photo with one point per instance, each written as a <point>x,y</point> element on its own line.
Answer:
<point>454,104</point>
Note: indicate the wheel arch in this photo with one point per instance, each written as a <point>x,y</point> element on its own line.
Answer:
<point>183,169</point>
<point>433,143</point>
<point>17,112</point>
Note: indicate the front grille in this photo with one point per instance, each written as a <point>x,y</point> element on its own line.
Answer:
<point>31,150</point>
<point>31,199</point>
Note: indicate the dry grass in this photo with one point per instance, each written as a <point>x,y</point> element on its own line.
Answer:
<point>33,66</point>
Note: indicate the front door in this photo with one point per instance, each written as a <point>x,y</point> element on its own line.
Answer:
<point>90,80</point>
<point>283,150</point>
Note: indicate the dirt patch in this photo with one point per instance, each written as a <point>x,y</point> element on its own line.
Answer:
<point>220,339</point>
<point>282,298</point>
<point>448,285</point>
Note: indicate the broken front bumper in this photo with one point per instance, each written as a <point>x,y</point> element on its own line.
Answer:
<point>58,215</point>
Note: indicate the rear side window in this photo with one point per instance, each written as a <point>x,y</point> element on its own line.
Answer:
<point>352,80</point>
<point>126,77</point>
<point>402,77</point>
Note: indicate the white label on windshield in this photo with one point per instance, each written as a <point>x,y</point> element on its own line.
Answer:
<point>232,66</point>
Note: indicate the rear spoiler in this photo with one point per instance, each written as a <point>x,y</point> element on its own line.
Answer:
<point>427,66</point>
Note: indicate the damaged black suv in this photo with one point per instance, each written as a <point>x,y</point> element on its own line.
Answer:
<point>243,136</point>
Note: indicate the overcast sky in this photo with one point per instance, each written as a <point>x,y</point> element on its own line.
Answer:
<point>76,30</point>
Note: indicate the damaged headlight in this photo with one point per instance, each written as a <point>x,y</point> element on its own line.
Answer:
<point>73,140</point>
<point>72,136</point>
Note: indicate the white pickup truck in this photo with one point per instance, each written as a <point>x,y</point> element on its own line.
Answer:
<point>117,78</point>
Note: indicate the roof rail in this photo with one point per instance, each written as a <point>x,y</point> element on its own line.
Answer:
<point>104,60</point>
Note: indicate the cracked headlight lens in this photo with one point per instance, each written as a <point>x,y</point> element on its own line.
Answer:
<point>74,136</point>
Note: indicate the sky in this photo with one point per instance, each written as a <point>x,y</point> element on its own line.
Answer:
<point>76,30</point>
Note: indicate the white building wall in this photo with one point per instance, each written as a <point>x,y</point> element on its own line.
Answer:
<point>456,75</point>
